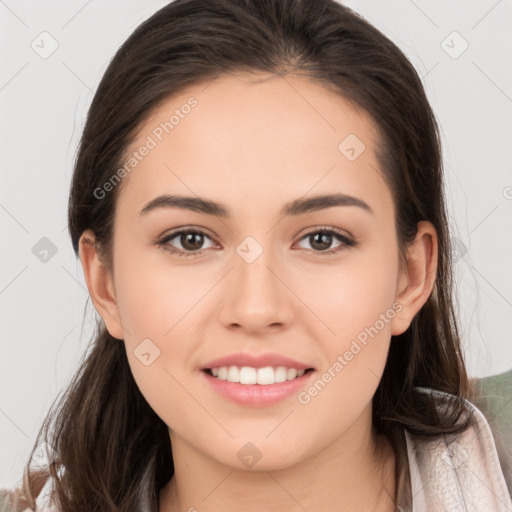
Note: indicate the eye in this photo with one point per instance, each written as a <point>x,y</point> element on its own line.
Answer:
<point>190,240</point>
<point>323,238</point>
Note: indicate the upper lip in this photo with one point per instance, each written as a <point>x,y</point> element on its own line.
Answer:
<point>256,361</point>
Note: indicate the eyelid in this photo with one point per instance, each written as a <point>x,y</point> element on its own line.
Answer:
<point>338,231</point>
<point>346,238</point>
<point>312,229</point>
<point>164,239</point>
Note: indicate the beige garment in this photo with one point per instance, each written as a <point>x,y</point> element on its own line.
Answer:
<point>453,472</point>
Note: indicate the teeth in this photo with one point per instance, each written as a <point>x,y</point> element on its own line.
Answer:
<point>263,376</point>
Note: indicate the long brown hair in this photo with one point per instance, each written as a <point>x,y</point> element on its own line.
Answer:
<point>115,450</point>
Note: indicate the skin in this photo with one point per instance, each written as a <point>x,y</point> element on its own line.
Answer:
<point>254,145</point>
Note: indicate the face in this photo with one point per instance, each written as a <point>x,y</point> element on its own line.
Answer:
<point>313,286</point>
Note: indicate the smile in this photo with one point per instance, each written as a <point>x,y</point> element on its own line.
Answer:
<point>262,376</point>
<point>244,388</point>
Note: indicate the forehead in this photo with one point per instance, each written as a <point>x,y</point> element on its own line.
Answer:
<point>244,136</point>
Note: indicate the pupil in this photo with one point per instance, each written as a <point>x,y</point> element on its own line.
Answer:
<point>188,239</point>
<point>321,238</point>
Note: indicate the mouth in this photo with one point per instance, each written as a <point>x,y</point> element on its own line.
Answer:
<point>250,376</point>
<point>257,387</point>
<point>256,380</point>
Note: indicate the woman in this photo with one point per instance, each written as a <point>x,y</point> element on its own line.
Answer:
<point>257,204</point>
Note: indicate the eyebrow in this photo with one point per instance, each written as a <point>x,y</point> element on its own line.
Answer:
<point>296,207</point>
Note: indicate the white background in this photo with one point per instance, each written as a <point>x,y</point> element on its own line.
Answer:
<point>43,104</point>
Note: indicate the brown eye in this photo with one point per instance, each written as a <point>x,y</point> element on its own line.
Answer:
<point>189,242</point>
<point>321,241</point>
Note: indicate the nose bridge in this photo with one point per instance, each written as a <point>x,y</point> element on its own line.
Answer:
<point>254,281</point>
<point>255,298</point>
<point>252,268</point>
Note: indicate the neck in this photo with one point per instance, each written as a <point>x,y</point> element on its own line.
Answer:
<point>356,472</point>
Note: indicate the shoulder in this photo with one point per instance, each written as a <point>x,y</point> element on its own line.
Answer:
<point>450,471</point>
<point>15,500</point>
<point>494,399</point>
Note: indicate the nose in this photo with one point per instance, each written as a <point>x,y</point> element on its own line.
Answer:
<point>256,298</point>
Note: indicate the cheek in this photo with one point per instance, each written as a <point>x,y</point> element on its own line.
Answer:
<point>153,294</point>
<point>355,359</point>
<point>161,311</point>
<point>348,297</point>
<point>357,303</point>
<point>158,362</point>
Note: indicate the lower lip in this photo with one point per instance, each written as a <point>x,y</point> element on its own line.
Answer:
<point>257,394</point>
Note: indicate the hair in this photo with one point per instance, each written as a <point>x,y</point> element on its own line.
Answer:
<point>115,450</point>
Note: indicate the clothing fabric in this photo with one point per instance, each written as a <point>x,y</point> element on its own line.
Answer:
<point>444,473</point>
<point>452,472</point>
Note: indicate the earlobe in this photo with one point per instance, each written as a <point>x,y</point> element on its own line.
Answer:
<point>100,285</point>
<point>417,280</point>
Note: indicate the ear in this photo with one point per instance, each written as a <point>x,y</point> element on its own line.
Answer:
<point>100,284</point>
<point>417,279</point>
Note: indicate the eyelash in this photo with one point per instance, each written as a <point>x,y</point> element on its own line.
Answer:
<point>346,241</point>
